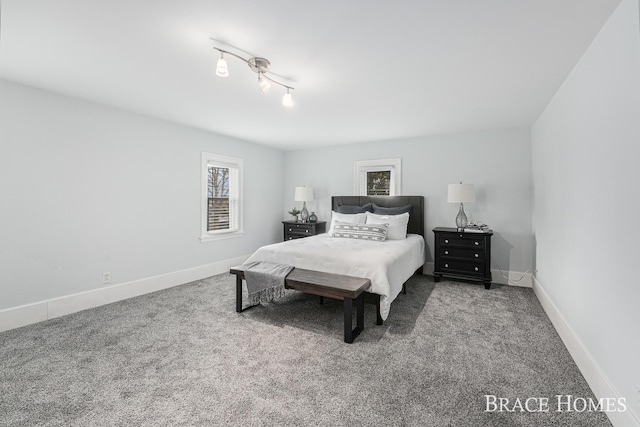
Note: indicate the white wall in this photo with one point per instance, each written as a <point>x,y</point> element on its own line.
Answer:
<point>586,147</point>
<point>87,189</point>
<point>497,162</point>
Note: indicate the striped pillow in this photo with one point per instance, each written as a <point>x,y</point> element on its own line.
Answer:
<point>375,232</point>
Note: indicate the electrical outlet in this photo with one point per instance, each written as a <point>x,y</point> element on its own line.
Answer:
<point>106,278</point>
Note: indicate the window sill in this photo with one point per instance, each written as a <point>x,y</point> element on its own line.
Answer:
<point>221,236</point>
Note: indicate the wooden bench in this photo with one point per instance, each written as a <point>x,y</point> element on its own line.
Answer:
<point>336,286</point>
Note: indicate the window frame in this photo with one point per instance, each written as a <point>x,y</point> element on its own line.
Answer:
<point>361,167</point>
<point>218,160</point>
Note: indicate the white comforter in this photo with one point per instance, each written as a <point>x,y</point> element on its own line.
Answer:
<point>387,264</point>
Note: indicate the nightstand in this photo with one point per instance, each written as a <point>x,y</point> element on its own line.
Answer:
<point>462,255</point>
<point>297,230</point>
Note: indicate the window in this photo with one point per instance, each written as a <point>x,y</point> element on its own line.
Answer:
<point>377,177</point>
<point>378,183</point>
<point>221,196</point>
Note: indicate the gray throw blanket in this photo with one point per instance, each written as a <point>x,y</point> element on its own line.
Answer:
<point>265,281</point>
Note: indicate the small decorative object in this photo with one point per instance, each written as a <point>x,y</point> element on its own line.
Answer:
<point>313,217</point>
<point>461,193</point>
<point>294,214</point>
<point>304,195</point>
<point>476,227</point>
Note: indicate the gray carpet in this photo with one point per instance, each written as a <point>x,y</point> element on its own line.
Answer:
<point>183,356</point>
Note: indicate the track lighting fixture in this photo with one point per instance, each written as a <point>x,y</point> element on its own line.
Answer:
<point>258,65</point>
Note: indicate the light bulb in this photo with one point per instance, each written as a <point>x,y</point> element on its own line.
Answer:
<point>287,101</point>
<point>263,83</point>
<point>221,67</point>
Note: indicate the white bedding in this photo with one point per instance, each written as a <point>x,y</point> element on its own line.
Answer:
<point>387,264</point>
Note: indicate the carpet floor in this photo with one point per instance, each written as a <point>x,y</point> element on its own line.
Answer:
<point>183,356</point>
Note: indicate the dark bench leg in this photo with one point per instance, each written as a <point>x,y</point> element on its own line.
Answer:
<point>349,333</point>
<point>379,320</point>
<point>238,293</point>
<point>360,314</point>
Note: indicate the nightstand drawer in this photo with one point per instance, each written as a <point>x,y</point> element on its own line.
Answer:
<point>297,230</point>
<point>302,227</point>
<point>462,240</point>
<point>463,267</point>
<point>300,231</point>
<point>291,236</point>
<point>470,254</point>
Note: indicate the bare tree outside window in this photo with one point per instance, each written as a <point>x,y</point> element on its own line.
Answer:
<point>218,182</point>
<point>218,192</point>
<point>378,183</point>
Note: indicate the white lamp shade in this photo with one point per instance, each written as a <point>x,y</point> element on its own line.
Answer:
<point>304,194</point>
<point>221,68</point>
<point>461,193</point>
<point>287,100</point>
<point>264,84</point>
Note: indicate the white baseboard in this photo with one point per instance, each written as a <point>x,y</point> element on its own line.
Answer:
<point>589,367</point>
<point>16,317</point>
<point>514,278</point>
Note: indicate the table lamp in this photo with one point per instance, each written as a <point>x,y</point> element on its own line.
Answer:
<point>304,195</point>
<point>461,193</point>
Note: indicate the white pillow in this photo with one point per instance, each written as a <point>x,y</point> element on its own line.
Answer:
<point>397,224</point>
<point>358,218</point>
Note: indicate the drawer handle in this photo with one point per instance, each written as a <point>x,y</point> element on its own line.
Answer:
<point>446,241</point>
<point>446,265</point>
<point>476,243</point>
<point>476,268</point>
<point>289,229</point>
<point>476,255</point>
<point>446,252</point>
<point>306,231</point>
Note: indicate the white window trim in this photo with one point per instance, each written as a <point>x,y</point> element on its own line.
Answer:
<point>393,165</point>
<point>224,161</point>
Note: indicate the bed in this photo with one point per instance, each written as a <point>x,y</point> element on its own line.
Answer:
<point>388,264</point>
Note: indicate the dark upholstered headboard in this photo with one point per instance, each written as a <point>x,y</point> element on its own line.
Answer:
<point>416,216</point>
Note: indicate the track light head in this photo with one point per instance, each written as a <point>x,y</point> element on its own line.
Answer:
<point>263,83</point>
<point>287,100</point>
<point>221,67</point>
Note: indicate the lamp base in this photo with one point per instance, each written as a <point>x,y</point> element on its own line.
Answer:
<point>304,213</point>
<point>461,219</point>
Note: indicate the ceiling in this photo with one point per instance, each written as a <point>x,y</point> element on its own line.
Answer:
<point>363,70</point>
